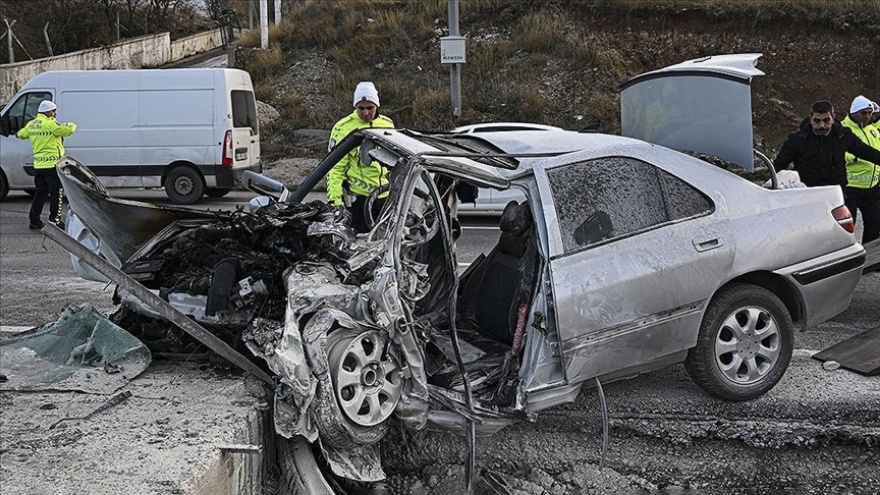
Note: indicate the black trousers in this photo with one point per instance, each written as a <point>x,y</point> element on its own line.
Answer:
<point>48,186</point>
<point>868,202</point>
<point>358,212</point>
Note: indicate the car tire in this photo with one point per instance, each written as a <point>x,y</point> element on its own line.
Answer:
<point>744,345</point>
<point>184,185</point>
<point>335,427</point>
<point>4,186</point>
<point>299,471</point>
<point>217,193</point>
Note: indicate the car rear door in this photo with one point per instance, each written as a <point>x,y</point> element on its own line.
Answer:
<point>635,255</point>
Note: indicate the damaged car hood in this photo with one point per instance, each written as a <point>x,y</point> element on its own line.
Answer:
<point>114,227</point>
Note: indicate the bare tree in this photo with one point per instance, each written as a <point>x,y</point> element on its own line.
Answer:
<point>216,8</point>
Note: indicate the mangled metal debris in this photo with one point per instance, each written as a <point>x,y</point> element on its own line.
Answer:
<point>353,330</point>
<point>82,351</point>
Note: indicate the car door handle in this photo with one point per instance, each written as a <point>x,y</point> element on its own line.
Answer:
<point>709,244</point>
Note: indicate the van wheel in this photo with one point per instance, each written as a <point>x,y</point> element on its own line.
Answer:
<point>217,193</point>
<point>745,343</point>
<point>4,186</point>
<point>184,185</point>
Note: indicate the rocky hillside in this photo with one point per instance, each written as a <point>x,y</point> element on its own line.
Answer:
<point>554,62</point>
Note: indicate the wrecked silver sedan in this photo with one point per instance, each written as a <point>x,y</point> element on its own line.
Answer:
<point>625,257</point>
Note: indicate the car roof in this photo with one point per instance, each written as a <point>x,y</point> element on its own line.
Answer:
<point>563,142</point>
<point>567,146</point>
<point>515,142</point>
<point>504,126</point>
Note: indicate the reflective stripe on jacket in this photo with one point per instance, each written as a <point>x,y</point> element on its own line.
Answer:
<point>46,136</point>
<point>361,178</point>
<point>862,174</point>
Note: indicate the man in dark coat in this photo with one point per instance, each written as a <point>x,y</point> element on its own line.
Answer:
<point>819,146</point>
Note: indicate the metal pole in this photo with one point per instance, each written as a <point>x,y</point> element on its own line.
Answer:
<point>454,69</point>
<point>9,40</point>
<point>264,24</point>
<point>46,35</point>
<point>117,27</point>
<point>250,10</point>
<point>277,12</point>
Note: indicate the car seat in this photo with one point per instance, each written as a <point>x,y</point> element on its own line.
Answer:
<point>493,291</point>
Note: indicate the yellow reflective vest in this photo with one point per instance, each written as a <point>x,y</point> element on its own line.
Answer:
<point>46,136</point>
<point>862,174</point>
<point>362,179</point>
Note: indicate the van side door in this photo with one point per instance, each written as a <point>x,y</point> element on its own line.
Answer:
<point>17,155</point>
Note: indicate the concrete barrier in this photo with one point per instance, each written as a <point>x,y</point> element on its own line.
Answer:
<point>196,43</point>
<point>134,53</point>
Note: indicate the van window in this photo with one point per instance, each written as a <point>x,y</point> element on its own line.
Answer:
<point>25,109</point>
<point>244,110</point>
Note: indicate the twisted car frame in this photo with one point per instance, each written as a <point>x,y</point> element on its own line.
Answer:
<point>625,257</point>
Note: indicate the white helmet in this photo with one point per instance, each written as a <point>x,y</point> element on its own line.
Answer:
<point>46,106</point>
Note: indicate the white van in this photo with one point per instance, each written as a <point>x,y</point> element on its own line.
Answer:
<point>191,131</point>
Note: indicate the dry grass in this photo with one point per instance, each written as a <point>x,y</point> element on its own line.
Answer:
<point>249,38</point>
<point>263,64</point>
<point>395,44</point>
<point>542,32</point>
<point>829,5</point>
<point>293,107</point>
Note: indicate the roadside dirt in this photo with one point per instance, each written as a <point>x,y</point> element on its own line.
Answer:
<point>805,58</point>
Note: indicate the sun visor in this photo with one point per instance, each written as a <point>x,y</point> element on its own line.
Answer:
<point>702,105</point>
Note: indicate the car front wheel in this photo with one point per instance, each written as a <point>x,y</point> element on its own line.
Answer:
<point>745,343</point>
<point>358,395</point>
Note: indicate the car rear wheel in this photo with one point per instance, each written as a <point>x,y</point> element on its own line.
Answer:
<point>745,343</point>
<point>184,185</point>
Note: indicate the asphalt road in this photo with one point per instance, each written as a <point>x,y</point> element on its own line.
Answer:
<point>37,280</point>
<point>818,430</point>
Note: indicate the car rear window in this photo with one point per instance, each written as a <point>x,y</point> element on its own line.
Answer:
<point>244,110</point>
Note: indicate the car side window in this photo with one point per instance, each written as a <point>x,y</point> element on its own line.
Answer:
<point>682,200</point>
<point>608,198</point>
<point>25,109</point>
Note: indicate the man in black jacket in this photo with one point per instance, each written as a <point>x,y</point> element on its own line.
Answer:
<point>818,149</point>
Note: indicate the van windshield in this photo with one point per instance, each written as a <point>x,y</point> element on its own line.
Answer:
<point>244,110</point>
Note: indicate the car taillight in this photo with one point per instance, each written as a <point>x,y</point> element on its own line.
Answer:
<point>844,218</point>
<point>227,149</point>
